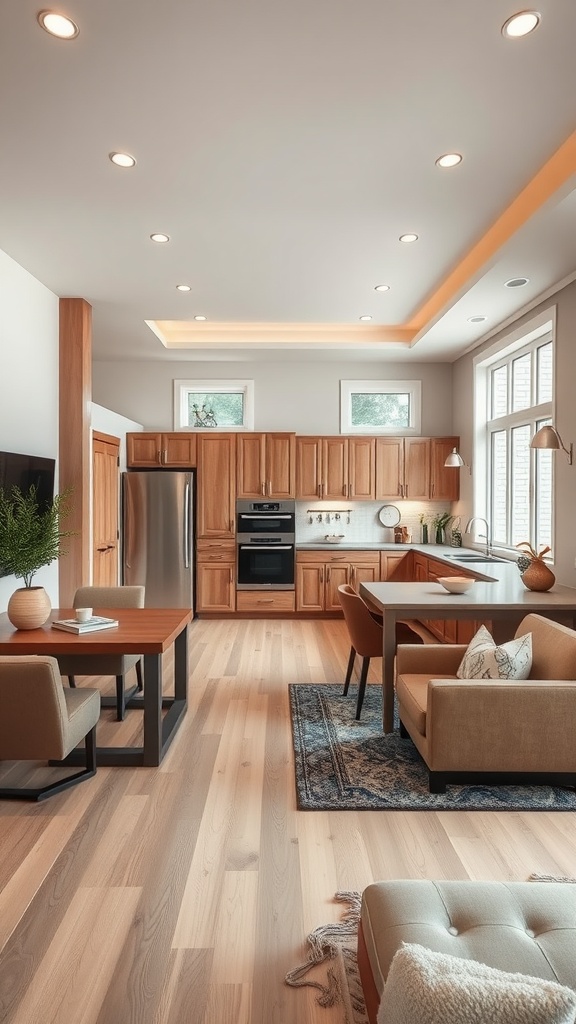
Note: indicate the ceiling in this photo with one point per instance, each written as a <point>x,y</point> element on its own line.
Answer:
<point>284,148</point>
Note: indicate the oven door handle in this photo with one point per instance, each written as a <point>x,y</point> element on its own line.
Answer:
<point>257,517</point>
<point>266,547</point>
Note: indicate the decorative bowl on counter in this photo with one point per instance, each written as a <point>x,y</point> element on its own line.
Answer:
<point>333,538</point>
<point>455,584</point>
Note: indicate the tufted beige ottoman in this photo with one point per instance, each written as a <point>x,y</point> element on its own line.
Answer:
<point>529,927</point>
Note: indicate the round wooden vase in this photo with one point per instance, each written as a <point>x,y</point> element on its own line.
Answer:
<point>29,607</point>
<point>538,576</point>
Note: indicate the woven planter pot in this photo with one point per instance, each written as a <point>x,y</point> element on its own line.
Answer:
<point>29,607</point>
<point>538,576</point>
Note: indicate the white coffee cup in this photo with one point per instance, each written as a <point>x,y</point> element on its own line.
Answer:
<point>83,614</point>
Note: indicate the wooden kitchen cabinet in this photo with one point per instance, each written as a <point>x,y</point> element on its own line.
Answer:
<point>266,465</point>
<point>403,468</point>
<point>320,573</point>
<point>158,450</point>
<point>397,565</point>
<point>449,631</point>
<point>335,468</point>
<point>413,468</point>
<point>215,576</point>
<point>444,480</point>
<point>216,492</point>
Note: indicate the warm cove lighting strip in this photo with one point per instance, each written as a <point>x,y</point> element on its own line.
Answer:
<point>554,176</point>
<point>555,179</point>
<point>181,334</point>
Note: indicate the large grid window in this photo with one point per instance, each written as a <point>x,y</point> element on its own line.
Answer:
<point>519,402</point>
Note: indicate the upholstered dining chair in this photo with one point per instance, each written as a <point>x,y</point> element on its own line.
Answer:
<point>117,665</point>
<point>40,719</point>
<point>365,631</point>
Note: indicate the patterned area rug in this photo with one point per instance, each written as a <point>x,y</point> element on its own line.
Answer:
<point>345,765</point>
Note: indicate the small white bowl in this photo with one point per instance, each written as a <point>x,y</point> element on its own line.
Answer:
<point>455,584</point>
<point>333,538</point>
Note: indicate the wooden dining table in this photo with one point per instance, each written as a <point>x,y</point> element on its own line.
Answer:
<point>150,632</point>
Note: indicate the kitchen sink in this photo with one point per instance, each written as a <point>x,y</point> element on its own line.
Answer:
<point>476,558</point>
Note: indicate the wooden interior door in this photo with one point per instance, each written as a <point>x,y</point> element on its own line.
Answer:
<point>105,509</point>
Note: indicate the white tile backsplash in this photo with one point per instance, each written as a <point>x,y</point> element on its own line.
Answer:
<point>358,520</point>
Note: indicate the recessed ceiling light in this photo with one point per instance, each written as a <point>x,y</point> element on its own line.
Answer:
<point>408,238</point>
<point>200,317</point>
<point>365,318</point>
<point>382,288</point>
<point>521,24</point>
<point>477,319</point>
<point>57,25</point>
<point>159,237</point>
<point>449,160</point>
<point>122,159</point>
<point>183,288</point>
<point>516,282</point>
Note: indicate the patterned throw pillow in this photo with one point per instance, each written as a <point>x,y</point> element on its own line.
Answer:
<point>436,988</point>
<point>484,660</point>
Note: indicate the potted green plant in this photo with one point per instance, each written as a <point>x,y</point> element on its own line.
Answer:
<point>439,524</point>
<point>30,538</point>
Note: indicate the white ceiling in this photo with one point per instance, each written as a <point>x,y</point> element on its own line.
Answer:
<point>284,147</point>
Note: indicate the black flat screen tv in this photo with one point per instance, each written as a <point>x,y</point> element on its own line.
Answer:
<point>23,471</point>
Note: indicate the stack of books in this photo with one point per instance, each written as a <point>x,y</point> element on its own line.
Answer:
<point>90,626</point>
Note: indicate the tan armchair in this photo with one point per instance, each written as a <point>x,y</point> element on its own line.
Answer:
<point>492,731</point>
<point>42,720</point>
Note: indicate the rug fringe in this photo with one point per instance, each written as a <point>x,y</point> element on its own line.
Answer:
<point>325,942</point>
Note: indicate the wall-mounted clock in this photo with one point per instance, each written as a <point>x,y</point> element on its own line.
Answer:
<point>389,515</point>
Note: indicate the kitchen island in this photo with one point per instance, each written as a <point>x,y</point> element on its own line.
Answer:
<point>500,597</point>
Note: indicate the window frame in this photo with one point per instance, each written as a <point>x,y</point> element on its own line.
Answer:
<point>381,387</point>
<point>529,338</point>
<point>184,388</point>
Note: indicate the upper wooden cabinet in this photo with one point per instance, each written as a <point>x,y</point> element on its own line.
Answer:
<point>160,450</point>
<point>333,468</point>
<point>444,480</point>
<point>216,493</point>
<point>266,465</point>
<point>413,468</point>
<point>403,467</point>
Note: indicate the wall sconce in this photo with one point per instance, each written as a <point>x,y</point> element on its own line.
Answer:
<point>455,461</point>
<point>548,437</point>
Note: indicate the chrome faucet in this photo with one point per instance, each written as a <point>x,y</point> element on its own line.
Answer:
<point>486,535</point>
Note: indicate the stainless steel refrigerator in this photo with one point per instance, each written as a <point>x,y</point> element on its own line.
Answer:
<point>158,535</point>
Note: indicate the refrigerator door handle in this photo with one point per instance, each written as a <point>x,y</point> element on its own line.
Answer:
<point>187,526</point>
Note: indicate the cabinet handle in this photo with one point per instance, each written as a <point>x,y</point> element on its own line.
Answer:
<point>322,575</point>
<point>159,457</point>
<point>263,489</point>
<point>319,488</point>
<point>214,556</point>
<point>269,488</point>
<point>328,574</point>
<point>433,489</point>
<point>262,600</point>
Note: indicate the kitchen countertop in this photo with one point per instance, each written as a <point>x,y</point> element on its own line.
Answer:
<point>489,571</point>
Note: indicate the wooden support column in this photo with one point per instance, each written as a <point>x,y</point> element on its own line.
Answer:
<point>74,445</point>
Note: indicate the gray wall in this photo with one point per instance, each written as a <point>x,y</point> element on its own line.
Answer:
<point>565,420</point>
<point>301,395</point>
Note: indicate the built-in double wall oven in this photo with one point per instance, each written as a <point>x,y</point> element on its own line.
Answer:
<point>265,537</point>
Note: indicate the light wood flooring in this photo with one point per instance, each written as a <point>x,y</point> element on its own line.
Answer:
<point>183,894</point>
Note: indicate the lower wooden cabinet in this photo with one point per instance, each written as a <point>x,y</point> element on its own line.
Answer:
<point>215,576</point>
<point>320,573</point>
<point>268,601</point>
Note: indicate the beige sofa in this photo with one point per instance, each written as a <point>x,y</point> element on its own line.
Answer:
<point>483,730</point>
<point>524,927</point>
